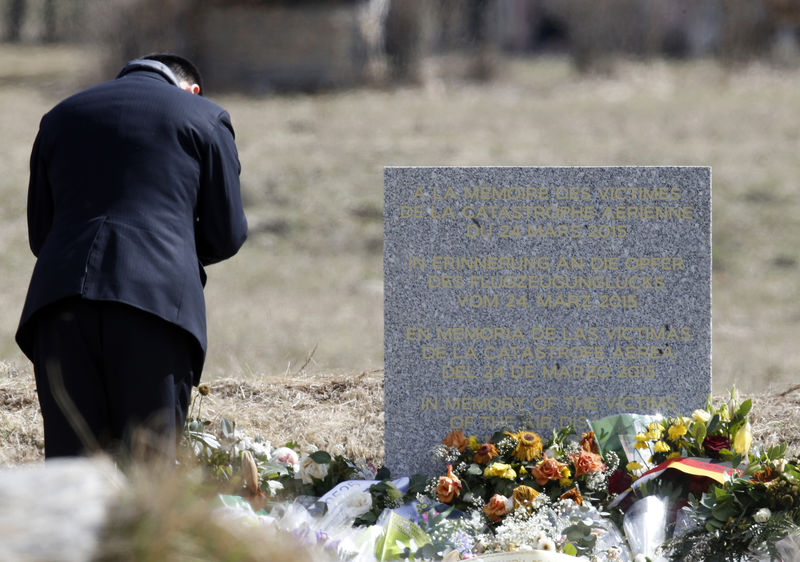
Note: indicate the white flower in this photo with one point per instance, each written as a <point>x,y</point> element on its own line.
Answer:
<point>540,537</point>
<point>701,415</point>
<point>547,544</point>
<point>310,470</point>
<point>640,558</point>
<point>260,448</point>
<point>762,515</point>
<point>780,465</point>
<point>357,503</point>
<point>286,455</point>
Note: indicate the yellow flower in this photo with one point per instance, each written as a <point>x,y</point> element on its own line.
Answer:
<point>500,470</point>
<point>677,430</point>
<point>473,443</point>
<point>632,466</point>
<point>565,472</point>
<point>641,441</point>
<point>661,447</point>
<point>654,433</point>
<point>529,446</point>
<point>673,455</point>
<point>743,439</point>
<point>565,482</point>
<point>523,470</point>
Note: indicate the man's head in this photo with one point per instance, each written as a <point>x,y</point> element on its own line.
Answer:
<point>188,76</point>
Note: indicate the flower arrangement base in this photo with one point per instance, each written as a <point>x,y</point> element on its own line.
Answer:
<point>529,556</point>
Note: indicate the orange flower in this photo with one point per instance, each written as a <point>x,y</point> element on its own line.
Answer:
<point>586,462</point>
<point>496,508</point>
<point>547,469</point>
<point>765,475</point>
<point>485,453</point>
<point>589,443</point>
<point>573,495</point>
<point>524,496</point>
<point>529,446</point>
<point>456,439</point>
<point>449,486</point>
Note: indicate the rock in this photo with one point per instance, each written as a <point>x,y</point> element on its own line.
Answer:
<point>55,510</point>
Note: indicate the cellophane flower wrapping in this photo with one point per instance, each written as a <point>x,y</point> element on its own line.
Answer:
<point>645,526</point>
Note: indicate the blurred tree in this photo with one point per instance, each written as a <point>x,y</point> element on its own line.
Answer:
<point>15,17</point>
<point>50,21</point>
<point>403,38</point>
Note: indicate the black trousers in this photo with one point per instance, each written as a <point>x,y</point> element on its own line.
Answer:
<point>111,377</point>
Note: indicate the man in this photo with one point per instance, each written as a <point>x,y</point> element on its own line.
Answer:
<point>134,187</point>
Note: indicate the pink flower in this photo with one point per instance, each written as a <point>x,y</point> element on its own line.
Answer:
<point>286,455</point>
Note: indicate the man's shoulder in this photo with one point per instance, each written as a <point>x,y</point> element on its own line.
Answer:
<point>162,96</point>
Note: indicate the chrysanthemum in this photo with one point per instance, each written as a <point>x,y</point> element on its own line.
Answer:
<point>529,446</point>
<point>661,447</point>
<point>677,430</point>
<point>523,496</point>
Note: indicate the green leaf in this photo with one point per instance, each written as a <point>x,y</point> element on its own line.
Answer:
<point>744,409</point>
<point>367,518</point>
<point>776,452</point>
<point>699,433</point>
<point>498,436</point>
<point>228,428</point>
<point>320,457</point>
<point>712,425</point>
<point>417,484</point>
<point>427,552</point>
<point>273,469</point>
<point>570,549</point>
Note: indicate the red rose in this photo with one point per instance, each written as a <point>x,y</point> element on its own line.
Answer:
<point>619,481</point>
<point>713,444</point>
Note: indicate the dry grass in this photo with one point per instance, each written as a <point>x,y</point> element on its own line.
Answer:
<point>311,274</point>
<point>340,413</point>
<point>21,434</point>
<point>169,516</point>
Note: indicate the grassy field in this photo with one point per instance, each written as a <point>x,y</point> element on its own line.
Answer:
<point>307,287</point>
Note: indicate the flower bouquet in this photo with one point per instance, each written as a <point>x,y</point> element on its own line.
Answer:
<point>527,491</point>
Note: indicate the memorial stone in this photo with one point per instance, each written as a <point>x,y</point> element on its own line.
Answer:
<point>536,298</point>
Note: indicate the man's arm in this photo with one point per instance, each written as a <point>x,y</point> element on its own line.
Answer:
<point>40,200</point>
<point>221,227</point>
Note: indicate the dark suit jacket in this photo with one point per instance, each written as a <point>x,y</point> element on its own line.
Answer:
<point>134,186</point>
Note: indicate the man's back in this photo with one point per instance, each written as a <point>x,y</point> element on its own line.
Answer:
<point>134,185</point>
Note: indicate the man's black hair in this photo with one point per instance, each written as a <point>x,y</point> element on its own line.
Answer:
<point>182,67</point>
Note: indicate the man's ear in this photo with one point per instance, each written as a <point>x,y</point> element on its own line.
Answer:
<point>191,88</point>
